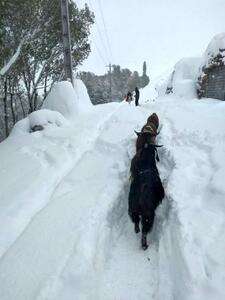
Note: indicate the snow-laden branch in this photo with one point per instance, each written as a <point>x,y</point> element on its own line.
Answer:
<point>12,60</point>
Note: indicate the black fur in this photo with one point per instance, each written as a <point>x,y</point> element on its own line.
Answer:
<point>146,190</point>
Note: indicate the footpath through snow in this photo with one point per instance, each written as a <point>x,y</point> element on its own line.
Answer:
<point>65,232</point>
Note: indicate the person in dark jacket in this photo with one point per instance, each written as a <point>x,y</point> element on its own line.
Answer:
<point>137,95</point>
<point>146,190</point>
<point>128,97</point>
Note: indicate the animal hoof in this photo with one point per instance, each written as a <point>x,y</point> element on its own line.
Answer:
<point>136,228</point>
<point>144,247</point>
<point>144,244</point>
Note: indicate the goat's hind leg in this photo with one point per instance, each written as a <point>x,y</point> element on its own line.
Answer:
<point>147,223</point>
<point>136,220</point>
<point>144,243</point>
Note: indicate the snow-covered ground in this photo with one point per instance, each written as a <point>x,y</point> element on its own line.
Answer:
<point>65,233</point>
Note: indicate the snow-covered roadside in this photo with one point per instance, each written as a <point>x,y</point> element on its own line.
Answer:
<point>192,244</point>
<point>63,249</point>
<point>34,164</point>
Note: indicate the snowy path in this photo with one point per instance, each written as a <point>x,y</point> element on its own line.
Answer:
<point>129,270</point>
<point>85,272</point>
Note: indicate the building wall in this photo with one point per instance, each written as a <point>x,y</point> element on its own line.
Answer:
<point>215,87</point>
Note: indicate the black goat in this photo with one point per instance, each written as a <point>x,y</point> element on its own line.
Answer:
<point>146,190</point>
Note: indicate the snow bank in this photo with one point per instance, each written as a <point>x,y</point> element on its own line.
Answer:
<point>63,102</point>
<point>33,164</point>
<point>162,85</point>
<point>182,81</point>
<point>67,100</point>
<point>156,88</point>
<point>62,98</point>
<point>41,118</point>
<point>191,246</point>
<point>82,97</point>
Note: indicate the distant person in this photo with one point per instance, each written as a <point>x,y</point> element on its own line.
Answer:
<point>129,97</point>
<point>137,95</point>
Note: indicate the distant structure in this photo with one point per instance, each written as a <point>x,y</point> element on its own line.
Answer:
<point>211,81</point>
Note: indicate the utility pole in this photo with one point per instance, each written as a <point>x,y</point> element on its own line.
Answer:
<point>66,40</point>
<point>110,80</point>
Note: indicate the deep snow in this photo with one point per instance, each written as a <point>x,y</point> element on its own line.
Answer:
<point>65,232</point>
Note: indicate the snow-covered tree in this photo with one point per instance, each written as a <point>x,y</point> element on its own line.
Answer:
<point>122,80</point>
<point>35,27</point>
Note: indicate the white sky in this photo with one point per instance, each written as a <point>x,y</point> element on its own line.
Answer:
<point>159,32</point>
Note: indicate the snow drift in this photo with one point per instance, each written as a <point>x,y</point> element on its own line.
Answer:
<point>41,118</point>
<point>182,81</point>
<point>83,100</point>
<point>67,100</point>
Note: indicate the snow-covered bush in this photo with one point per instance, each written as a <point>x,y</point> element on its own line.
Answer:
<point>41,118</point>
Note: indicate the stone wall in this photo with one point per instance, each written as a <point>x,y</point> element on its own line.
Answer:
<point>212,83</point>
<point>216,83</point>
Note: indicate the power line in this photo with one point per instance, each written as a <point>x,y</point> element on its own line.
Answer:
<point>101,56</point>
<point>105,57</point>
<point>106,33</point>
<point>99,53</point>
<point>101,37</point>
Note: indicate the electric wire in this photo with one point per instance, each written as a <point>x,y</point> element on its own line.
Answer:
<point>104,44</point>
<point>105,29</point>
<point>99,53</point>
<point>101,57</point>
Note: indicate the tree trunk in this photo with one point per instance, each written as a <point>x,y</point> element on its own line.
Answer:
<point>35,100</point>
<point>6,118</point>
<point>12,108</point>
<point>21,103</point>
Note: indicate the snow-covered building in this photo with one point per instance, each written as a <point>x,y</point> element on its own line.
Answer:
<point>211,80</point>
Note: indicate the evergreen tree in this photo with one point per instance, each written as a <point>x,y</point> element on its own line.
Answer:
<point>144,80</point>
<point>134,81</point>
<point>123,80</point>
<point>144,69</point>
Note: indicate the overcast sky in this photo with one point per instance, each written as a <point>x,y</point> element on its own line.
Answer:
<point>159,32</point>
